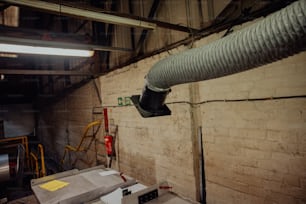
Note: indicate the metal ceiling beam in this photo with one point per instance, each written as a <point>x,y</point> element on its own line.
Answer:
<point>81,13</point>
<point>81,26</point>
<point>230,11</point>
<point>174,27</point>
<point>144,33</point>
<point>41,34</point>
<point>132,35</point>
<point>211,10</point>
<point>44,72</point>
<point>200,8</point>
<point>64,24</point>
<point>103,34</point>
<point>99,15</point>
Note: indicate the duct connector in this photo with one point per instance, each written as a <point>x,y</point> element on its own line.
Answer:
<point>277,36</point>
<point>151,102</point>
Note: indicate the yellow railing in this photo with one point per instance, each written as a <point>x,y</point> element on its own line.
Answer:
<point>34,164</point>
<point>31,158</point>
<point>23,140</point>
<point>42,160</point>
<point>79,148</point>
<point>38,169</point>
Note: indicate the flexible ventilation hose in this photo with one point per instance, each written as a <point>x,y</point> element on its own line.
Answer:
<point>276,37</point>
<point>279,35</point>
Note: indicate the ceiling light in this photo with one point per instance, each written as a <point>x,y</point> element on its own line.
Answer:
<point>8,55</point>
<point>43,47</point>
<point>38,50</point>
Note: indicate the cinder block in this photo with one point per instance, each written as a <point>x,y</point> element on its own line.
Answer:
<point>292,180</point>
<point>281,198</point>
<point>256,153</point>
<point>274,165</point>
<point>297,166</point>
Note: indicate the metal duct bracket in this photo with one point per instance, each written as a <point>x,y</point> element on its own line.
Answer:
<point>151,103</point>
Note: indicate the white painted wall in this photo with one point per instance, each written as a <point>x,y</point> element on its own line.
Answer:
<point>254,150</point>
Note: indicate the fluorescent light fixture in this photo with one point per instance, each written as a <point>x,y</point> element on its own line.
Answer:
<point>45,47</point>
<point>8,55</point>
<point>27,49</point>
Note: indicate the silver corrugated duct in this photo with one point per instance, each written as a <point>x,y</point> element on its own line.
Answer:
<point>4,167</point>
<point>279,35</point>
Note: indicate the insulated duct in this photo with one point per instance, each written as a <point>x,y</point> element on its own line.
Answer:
<point>279,35</point>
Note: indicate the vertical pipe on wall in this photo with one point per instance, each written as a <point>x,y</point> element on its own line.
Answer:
<point>200,7</point>
<point>202,168</point>
<point>105,120</point>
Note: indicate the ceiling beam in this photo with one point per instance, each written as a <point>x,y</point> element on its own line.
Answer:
<point>81,26</point>
<point>99,15</point>
<point>230,11</point>
<point>47,38</point>
<point>132,33</point>
<point>144,33</point>
<point>41,34</point>
<point>44,72</point>
<point>82,13</point>
<point>211,10</point>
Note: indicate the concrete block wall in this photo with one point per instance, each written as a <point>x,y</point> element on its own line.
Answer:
<point>155,149</point>
<point>254,149</point>
<point>63,123</point>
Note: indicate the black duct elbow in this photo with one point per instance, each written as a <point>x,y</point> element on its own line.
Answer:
<point>151,103</point>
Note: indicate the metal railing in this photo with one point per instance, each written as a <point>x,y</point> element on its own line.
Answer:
<point>79,147</point>
<point>21,139</point>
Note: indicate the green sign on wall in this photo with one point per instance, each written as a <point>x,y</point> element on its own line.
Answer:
<point>120,101</point>
<point>124,101</point>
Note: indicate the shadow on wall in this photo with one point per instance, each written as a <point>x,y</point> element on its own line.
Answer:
<point>138,166</point>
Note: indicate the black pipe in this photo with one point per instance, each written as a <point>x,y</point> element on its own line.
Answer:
<point>202,168</point>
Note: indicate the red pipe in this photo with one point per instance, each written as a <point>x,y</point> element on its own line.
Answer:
<point>105,120</point>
